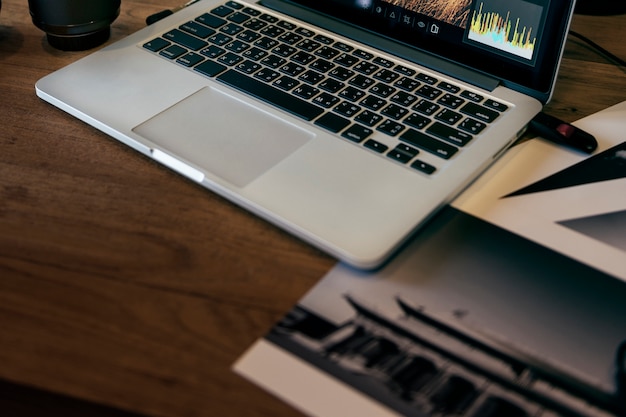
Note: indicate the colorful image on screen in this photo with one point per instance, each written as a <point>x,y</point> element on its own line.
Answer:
<point>512,27</point>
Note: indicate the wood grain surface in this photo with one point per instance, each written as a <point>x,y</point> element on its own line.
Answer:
<point>127,290</point>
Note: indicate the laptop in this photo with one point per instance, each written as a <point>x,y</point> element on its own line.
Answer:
<point>347,123</point>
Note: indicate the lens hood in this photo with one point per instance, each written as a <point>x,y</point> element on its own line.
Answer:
<point>73,25</point>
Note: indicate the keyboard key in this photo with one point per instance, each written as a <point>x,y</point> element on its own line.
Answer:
<point>382,90</point>
<point>426,78</point>
<point>331,85</point>
<point>326,100</point>
<point>470,95</point>
<point>197,29</point>
<point>311,77</point>
<point>286,25</point>
<point>286,83</point>
<point>255,24</point>
<point>255,53</point>
<point>394,111</point>
<point>273,61</point>
<point>429,144</point>
<point>383,62</point>
<point>231,29</point>
<point>293,69</point>
<point>266,43</point>
<point>211,21</point>
<point>346,60</point>
<point>368,118</point>
<point>249,67</point>
<point>210,68</point>
<point>449,134</point>
<point>423,167</point>
<point>323,39</point>
<point>327,52</point>
<point>172,52</point>
<point>248,36</point>
<point>357,133</point>
<point>391,128</point>
<point>429,92</point>
<point>409,72</point>
<point>399,156</point>
<point>451,101</point>
<point>322,65</point>
<point>237,46</point>
<point>362,54</point>
<point>272,31</point>
<point>472,126</point>
<point>184,39</point>
<point>496,106</point>
<point>234,5</point>
<point>343,47</point>
<point>386,76</point>
<point>251,11</point>
<point>361,81</point>
<point>347,109</point>
<point>219,39</point>
<point>352,93</point>
<point>417,121</point>
<point>426,107</point>
<point>401,147</point>
<point>290,38</point>
<point>305,32</point>
<point>269,18</point>
<point>449,87</point>
<point>373,103</point>
<point>341,73</point>
<point>222,11</point>
<point>449,116</point>
<point>303,58</point>
<point>156,45</point>
<point>332,122</point>
<point>238,17</point>
<point>308,45</point>
<point>284,50</point>
<point>403,98</point>
<point>190,59</point>
<point>407,84</point>
<point>365,68</point>
<point>262,91</point>
<point>266,74</point>
<point>306,91</point>
<point>480,112</point>
<point>376,146</point>
<point>213,51</point>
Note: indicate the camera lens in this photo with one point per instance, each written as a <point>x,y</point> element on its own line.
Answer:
<point>74,25</point>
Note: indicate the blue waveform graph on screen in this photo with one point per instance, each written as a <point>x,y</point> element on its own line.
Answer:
<point>513,29</point>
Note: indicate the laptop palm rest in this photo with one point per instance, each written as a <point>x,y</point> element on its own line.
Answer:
<point>223,135</point>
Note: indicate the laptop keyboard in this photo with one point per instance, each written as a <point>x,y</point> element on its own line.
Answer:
<point>397,111</point>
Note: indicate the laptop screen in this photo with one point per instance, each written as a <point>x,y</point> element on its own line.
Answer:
<point>518,41</point>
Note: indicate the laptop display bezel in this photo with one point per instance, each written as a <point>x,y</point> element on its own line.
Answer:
<point>535,78</point>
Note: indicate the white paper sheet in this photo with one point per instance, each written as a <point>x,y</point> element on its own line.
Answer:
<point>539,276</point>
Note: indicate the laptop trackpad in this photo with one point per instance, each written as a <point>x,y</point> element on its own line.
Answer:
<point>224,135</point>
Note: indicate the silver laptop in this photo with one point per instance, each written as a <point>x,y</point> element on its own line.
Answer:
<point>345,122</point>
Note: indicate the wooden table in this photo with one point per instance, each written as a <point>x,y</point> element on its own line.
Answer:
<point>126,289</point>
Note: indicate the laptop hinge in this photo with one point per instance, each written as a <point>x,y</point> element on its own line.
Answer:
<point>385,44</point>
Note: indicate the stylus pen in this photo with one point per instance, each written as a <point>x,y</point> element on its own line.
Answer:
<point>153,18</point>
